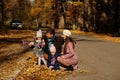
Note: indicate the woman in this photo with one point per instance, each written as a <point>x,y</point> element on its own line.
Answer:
<point>69,55</point>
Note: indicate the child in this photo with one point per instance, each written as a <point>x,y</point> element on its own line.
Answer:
<point>37,46</point>
<point>52,61</point>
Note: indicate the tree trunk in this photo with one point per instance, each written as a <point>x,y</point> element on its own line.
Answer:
<point>61,22</point>
<point>116,16</point>
<point>2,13</point>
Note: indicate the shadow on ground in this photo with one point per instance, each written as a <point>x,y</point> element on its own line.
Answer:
<point>8,41</point>
<point>8,57</point>
<point>11,40</point>
<point>89,40</point>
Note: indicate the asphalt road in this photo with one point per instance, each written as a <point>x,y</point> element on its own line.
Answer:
<point>101,59</point>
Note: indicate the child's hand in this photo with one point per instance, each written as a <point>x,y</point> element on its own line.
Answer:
<point>24,43</point>
<point>43,42</point>
<point>31,43</point>
<point>62,56</point>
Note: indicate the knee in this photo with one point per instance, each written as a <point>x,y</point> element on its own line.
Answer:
<point>46,56</point>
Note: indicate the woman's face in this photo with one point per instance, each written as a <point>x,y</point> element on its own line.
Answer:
<point>64,36</point>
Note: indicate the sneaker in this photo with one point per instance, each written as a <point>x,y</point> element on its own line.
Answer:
<point>62,68</point>
<point>50,67</point>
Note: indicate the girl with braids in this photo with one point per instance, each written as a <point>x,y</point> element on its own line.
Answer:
<point>68,59</point>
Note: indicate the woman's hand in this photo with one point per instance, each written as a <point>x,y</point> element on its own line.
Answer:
<point>62,56</point>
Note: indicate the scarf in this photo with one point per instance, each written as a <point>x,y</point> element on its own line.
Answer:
<point>50,41</point>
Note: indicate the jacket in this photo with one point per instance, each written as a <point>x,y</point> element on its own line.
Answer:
<point>57,41</point>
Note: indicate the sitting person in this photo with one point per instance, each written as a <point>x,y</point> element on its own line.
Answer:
<point>57,41</point>
<point>52,61</point>
<point>69,57</point>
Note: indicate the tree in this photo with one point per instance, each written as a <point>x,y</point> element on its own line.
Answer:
<point>2,12</point>
<point>116,5</point>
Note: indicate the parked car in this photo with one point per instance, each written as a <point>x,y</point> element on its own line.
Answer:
<point>16,24</point>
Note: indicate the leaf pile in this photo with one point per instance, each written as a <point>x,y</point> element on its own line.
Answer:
<point>35,72</point>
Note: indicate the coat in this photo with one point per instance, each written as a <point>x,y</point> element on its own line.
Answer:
<point>70,55</point>
<point>57,41</point>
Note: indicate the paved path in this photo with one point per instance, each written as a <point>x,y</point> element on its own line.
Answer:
<point>100,57</point>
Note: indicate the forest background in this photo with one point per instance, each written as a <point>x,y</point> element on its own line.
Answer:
<point>99,16</point>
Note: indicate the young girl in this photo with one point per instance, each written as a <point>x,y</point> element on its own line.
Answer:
<point>37,46</point>
<point>69,55</point>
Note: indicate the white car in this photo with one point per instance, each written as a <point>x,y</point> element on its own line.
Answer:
<point>16,24</point>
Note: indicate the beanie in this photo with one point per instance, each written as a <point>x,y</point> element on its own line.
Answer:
<point>67,32</point>
<point>39,33</point>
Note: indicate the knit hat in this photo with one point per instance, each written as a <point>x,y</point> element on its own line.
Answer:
<point>67,32</point>
<point>39,33</point>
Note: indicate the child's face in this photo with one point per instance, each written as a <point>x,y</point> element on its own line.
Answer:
<point>38,38</point>
<point>53,53</point>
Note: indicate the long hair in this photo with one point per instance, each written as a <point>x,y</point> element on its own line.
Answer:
<point>68,39</point>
